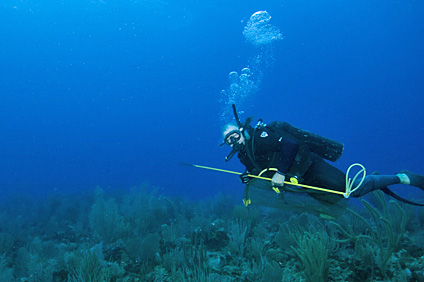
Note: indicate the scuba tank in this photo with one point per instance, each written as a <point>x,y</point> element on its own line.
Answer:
<point>326,148</point>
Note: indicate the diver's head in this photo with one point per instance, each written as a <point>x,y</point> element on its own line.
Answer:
<point>232,135</point>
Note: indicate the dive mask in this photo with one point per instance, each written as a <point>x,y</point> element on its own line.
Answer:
<point>232,137</point>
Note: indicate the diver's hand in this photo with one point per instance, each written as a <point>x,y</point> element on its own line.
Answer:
<point>245,179</point>
<point>278,179</point>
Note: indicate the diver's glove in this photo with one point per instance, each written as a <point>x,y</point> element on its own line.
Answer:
<point>278,179</point>
<point>245,178</point>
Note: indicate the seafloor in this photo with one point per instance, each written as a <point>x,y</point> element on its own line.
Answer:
<point>139,235</point>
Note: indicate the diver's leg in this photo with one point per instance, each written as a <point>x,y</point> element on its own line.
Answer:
<point>412,179</point>
<point>324,175</point>
<point>374,182</point>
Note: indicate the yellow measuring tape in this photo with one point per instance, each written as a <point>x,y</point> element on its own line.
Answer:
<point>293,181</point>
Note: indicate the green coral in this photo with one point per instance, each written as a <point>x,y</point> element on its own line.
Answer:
<point>313,252</point>
<point>385,231</point>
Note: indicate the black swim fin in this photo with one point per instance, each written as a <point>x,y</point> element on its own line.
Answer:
<point>399,198</point>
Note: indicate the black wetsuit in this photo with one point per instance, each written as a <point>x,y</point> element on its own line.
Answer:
<point>267,149</point>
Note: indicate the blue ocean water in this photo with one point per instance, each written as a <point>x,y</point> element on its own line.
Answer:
<point>119,93</point>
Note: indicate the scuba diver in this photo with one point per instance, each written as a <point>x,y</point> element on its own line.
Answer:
<point>283,152</point>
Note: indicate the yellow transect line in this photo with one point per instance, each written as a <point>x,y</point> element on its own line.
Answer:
<point>346,194</point>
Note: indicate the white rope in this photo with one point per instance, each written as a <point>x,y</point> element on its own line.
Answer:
<point>349,181</point>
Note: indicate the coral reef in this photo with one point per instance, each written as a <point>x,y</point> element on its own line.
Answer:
<point>140,235</point>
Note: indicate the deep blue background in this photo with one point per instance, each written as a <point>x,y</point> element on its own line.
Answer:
<point>118,93</point>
